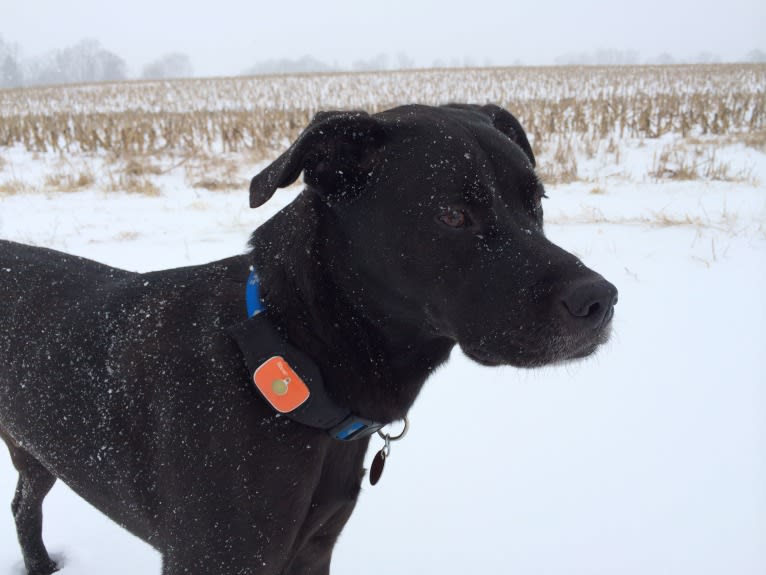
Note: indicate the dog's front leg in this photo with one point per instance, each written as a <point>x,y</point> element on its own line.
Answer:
<point>215,556</point>
<point>229,540</point>
<point>316,542</point>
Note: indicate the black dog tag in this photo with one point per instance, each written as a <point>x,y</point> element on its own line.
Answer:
<point>376,469</point>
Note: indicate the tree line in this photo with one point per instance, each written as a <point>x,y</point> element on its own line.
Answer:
<point>86,61</point>
<point>89,61</point>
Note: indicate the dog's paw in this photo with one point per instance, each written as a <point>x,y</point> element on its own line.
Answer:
<point>43,568</point>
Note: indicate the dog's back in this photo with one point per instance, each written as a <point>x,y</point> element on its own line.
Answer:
<point>31,276</point>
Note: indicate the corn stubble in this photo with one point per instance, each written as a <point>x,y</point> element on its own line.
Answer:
<point>569,113</point>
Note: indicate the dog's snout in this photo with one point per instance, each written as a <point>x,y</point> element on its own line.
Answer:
<point>590,302</point>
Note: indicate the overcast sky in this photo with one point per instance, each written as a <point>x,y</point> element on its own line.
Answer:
<point>226,36</point>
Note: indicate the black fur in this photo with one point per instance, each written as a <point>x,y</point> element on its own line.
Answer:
<point>419,228</point>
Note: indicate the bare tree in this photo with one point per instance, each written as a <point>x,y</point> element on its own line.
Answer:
<point>403,61</point>
<point>602,57</point>
<point>173,65</point>
<point>86,61</point>
<point>379,62</point>
<point>288,66</point>
<point>10,69</point>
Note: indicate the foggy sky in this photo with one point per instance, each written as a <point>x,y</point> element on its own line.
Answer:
<point>226,36</point>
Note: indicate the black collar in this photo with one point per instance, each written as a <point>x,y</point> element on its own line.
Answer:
<point>288,379</point>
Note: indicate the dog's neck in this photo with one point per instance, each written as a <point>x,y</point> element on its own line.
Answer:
<point>372,363</point>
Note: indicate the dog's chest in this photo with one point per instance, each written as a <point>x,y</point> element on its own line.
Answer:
<point>334,495</point>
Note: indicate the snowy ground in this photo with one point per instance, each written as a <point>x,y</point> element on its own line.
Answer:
<point>647,459</point>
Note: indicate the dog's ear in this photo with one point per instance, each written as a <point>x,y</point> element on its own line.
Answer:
<point>507,123</point>
<point>335,153</point>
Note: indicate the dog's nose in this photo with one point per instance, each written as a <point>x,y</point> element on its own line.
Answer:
<point>590,302</point>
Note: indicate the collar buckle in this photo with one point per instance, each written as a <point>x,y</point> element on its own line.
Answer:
<point>354,427</point>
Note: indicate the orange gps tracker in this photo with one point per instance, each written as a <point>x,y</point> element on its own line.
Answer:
<point>280,385</point>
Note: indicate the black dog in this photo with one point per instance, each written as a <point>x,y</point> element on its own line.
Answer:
<point>419,228</point>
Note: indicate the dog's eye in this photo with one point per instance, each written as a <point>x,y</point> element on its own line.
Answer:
<point>453,218</point>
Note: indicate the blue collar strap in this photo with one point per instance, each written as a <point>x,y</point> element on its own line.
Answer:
<point>253,294</point>
<point>264,346</point>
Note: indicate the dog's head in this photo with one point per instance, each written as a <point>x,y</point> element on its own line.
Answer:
<point>434,217</point>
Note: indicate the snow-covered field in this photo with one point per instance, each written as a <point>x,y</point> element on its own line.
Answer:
<point>648,459</point>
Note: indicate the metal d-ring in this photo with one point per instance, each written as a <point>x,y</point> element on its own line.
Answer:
<point>387,437</point>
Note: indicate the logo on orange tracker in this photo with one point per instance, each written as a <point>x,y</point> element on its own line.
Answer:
<point>280,385</point>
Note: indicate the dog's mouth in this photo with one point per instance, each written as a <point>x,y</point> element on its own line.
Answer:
<point>539,352</point>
